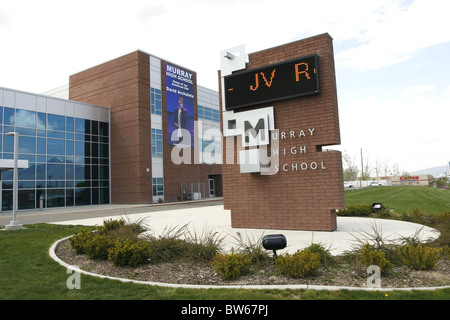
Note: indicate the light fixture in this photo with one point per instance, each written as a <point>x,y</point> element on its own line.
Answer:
<point>377,206</point>
<point>274,242</point>
<point>14,224</point>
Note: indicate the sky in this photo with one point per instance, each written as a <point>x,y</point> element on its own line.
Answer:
<point>392,56</point>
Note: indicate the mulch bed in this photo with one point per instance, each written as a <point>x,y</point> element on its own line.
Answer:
<point>341,274</point>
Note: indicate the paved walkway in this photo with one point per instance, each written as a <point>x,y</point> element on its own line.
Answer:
<point>207,217</point>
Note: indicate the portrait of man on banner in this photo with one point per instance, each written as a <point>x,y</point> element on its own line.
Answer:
<point>180,106</point>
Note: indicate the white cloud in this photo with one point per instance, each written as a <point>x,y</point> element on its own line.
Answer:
<point>447,91</point>
<point>417,89</point>
<point>398,32</point>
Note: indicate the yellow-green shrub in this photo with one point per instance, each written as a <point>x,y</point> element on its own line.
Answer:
<point>97,247</point>
<point>300,264</point>
<point>79,241</point>
<point>419,257</point>
<point>231,266</point>
<point>129,253</point>
<point>376,257</point>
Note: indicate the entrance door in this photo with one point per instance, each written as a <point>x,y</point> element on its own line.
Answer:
<point>212,188</point>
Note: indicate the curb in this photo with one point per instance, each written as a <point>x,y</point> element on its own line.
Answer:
<point>194,286</point>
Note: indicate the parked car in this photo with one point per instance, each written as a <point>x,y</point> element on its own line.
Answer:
<point>375,184</point>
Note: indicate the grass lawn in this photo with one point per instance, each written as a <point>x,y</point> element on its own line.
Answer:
<point>28,273</point>
<point>402,198</point>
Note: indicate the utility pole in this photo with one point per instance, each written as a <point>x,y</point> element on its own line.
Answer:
<point>362,169</point>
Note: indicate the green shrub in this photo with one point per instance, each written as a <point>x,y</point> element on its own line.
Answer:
<point>128,253</point>
<point>325,256</point>
<point>97,247</point>
<point>231,266</point>
<point>79,241</point>
<point>376,257</point>
<point>360,211</point>
<point>419,257</point>
<point>300,264</point>
<point>112,224</point>
<point>167,249</point>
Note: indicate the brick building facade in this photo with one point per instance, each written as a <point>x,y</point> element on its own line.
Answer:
<point>129,85</point>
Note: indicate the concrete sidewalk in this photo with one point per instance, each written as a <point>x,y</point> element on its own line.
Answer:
<point>213,218</point>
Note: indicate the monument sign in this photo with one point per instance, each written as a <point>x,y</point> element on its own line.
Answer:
<point>280,113</point>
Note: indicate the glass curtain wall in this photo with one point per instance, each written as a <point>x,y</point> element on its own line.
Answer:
<point>68,159</point>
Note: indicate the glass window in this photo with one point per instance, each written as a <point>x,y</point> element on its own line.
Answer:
<point>80,171</point>
<point>157,143</point>
<point>68,159</point>
<point>27,144</point>
<point>70,124</point>
<point>70,136</point>
<point>26,184</point>
<point>158,186</point>
<point>94,172</point>
<point>79,149</point>
<point>208,114</point>
<point>55,171</point>
<point>7,199</point>
<point>82,196</point>
<point>26,131</point>
<point>55,134</point>
<point>95,198</point>
<point>40,171</point>
<point>8,143</point>
<point>55,147</point>
<point>104,172</point>
<point>70,200</point>
<point>94,127</point>
<point>27,199</point>
<point>79,125</point>
<point>104,150</point>
<point>25,118</point>
<point>104,195</point>
<point>70,172</point>
<point>41,121</point>
<point>104,131</point>
<point>27,174</point>
<point>56,198</point>
<point>9,116</point>
<point>56,122</point>
<point>30,157</point>
<point>41,149</point>
<point>70,148</point>
<point>155,97</point>
<point>56,183</point>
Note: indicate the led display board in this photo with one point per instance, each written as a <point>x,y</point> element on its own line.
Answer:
<point>290,79</point>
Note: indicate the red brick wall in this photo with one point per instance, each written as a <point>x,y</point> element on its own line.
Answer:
<point>303,199</point>
<point>123,84</point>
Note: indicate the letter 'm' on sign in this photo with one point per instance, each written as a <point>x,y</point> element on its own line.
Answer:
<point>254,131</point>
<point>253,126</point>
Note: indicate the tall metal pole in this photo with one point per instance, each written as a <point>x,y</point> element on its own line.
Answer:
<point>14,224</point>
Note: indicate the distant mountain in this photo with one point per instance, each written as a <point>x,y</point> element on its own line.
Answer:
<point>435,171</point>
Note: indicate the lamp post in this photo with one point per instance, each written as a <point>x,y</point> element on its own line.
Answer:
<point>14,224</point>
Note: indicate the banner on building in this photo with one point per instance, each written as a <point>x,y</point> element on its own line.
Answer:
<point>180,106</point>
